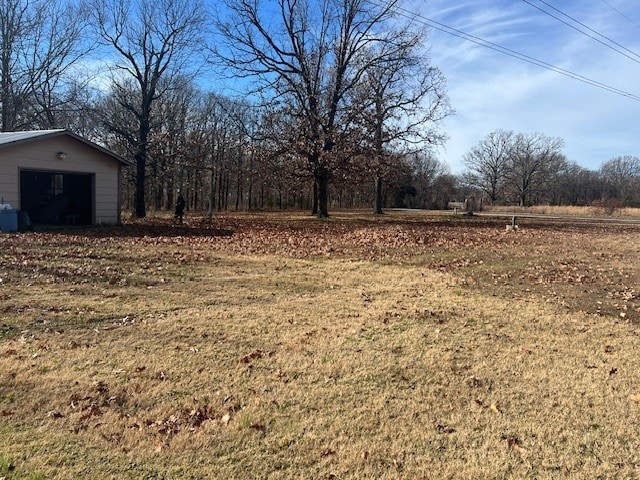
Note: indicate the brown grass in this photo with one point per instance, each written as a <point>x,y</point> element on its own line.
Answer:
<point>571,211</point>
<point>405,346</point>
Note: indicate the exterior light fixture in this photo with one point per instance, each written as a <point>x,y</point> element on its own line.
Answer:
<point>61,155</point>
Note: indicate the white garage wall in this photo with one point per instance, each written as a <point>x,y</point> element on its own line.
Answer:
<point>41,154</point>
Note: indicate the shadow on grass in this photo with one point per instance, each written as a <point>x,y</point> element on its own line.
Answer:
<point>156,227</point>
<point>137,230</point>
<point>160,230</point>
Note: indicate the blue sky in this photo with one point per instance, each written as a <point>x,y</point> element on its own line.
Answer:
<point>491,91</point>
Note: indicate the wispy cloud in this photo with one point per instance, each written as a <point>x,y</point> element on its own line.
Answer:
<point>490,90</point>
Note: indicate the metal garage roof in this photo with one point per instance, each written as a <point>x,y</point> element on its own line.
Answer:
<point>7,138</point>
<point>10,137</point>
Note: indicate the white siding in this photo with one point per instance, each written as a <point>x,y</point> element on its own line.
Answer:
<point>41,154</point>
<point>105,197</point>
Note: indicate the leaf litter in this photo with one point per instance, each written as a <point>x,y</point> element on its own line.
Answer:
<point>579,269</point>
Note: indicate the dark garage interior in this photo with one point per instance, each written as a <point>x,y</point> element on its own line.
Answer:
<point>57,198</point>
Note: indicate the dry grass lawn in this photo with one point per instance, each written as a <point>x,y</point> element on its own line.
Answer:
<point>283,346</point>
<point>591,211</point>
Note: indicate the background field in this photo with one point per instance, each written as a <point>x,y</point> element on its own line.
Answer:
<point>282,346</point>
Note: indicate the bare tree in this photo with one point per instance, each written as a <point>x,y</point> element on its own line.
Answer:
<point>304,55</point>
<point>621,176</point>
<point>169,153</point>
<point>434,185</point>
<point>488,163</point>
<point>39,44</point>
<point>14,20</point>
<point>155,42</point>
<point>400,101</point>
<point>575,185</point>
<point>535,160</point>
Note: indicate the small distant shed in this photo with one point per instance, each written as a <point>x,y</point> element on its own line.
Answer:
<point>58,177</point>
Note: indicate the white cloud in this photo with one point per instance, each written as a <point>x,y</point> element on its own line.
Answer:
<point>492,91</point>
<point>95,72</point>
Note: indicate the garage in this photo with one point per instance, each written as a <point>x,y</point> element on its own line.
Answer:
<point>59,178</point>
<point>57,197</point>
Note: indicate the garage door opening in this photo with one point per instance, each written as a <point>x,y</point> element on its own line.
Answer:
<point>57,198</point>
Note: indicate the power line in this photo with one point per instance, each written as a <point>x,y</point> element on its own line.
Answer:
<point>620,13</point>
<point>637,60</point>
<point>507,51</point>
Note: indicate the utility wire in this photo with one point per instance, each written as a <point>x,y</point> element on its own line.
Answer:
<point>637,59</point>
<point>620,13</point>
<point>411,15</point>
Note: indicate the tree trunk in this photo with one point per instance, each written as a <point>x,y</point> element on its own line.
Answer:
<point>377,208</point>
<point>141,164</point>
<point>322,181</point>
<point>5,93</point>
<point>238,189</point>
<point>250,186</point>
<point>314,200</point>
<point>194,190</point>
<point>141,159</point>
<point>227,189</point>
<point>212,192</point>
<point>220,198</point>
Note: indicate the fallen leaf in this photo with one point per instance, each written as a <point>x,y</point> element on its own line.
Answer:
<point>252,356</point>
<point>635,398</point>
<point>258,426</point>
<point>226,418</point>
<point>512,440</point>
<point>494,408</point>
<point>445,429</point>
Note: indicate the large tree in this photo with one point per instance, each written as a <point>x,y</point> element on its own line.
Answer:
<point>400,100</point>
<point>40,42</point>
<point>535,161</point>
<point>154,42</point>
<point>488,163</point>
<point>621,176</point>
<point>304,54</point>
<point>575,185</point>
<point>433,183</point>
